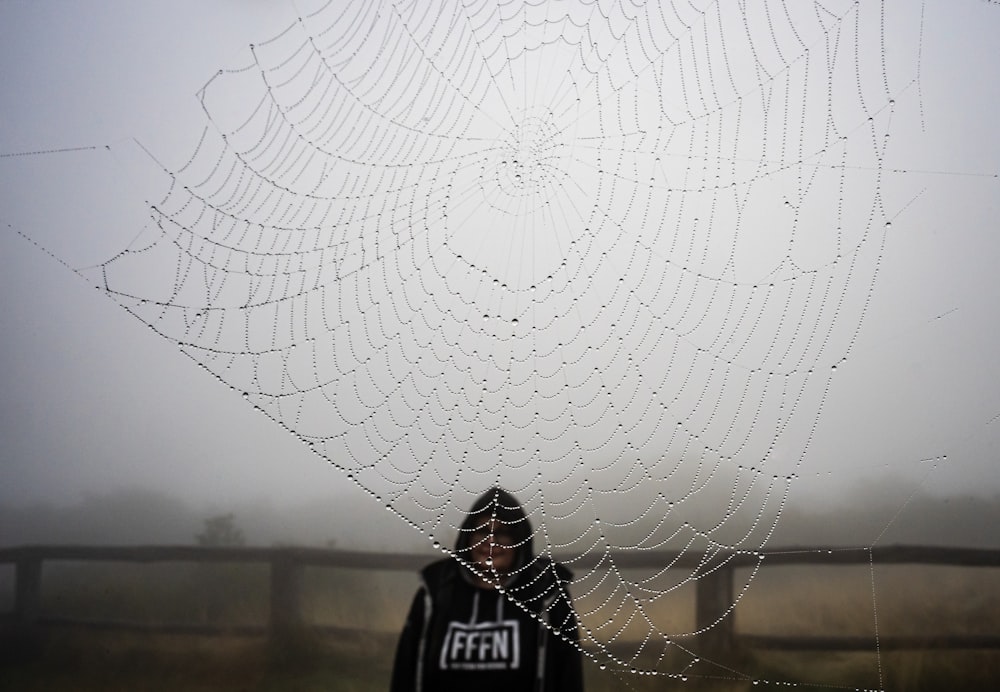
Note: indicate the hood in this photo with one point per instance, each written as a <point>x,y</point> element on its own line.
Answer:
<point>504,507</point>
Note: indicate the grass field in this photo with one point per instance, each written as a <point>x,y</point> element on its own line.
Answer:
<point>158,663</point>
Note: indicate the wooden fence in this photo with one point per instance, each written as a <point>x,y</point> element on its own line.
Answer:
<point>713,591</point>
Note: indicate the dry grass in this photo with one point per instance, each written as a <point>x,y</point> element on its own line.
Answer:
<point>158,663</point>
<point>902,600</point>
<point>161,663</point>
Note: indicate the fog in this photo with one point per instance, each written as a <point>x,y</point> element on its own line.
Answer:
<point>96,405</point>
<point>873,514</point>
<point>147,517</point>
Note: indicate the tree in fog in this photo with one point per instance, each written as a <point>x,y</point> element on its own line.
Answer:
<point>221,530</point>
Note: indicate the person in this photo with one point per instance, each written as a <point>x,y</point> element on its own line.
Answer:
<point>497,618</point>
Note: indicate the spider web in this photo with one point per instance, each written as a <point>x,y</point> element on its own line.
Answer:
<point>607,255</point>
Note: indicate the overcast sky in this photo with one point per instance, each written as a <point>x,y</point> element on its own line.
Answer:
<point>92,400</point>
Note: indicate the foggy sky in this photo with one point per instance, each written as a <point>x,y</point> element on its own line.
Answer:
<point>93,400</point>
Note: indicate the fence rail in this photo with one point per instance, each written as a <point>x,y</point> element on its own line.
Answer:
<point>713,593</point>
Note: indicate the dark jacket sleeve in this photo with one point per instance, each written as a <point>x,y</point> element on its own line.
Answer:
<point>404,668</point>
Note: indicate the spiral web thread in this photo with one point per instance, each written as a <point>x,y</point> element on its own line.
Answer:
<point>607,255</point>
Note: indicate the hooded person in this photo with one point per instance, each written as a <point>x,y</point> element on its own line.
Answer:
<point>496,618</point>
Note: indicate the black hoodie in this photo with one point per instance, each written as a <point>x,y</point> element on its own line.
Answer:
<point>520,635</point>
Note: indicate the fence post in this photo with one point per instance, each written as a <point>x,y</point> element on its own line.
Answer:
<point>713,598</point>
<point>27,601</point>
<point>286,596</point>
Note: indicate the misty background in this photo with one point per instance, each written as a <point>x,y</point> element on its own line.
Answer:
<point>126,516</point>
<point>110,435</point>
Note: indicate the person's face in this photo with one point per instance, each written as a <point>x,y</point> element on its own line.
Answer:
<point>492,540</point>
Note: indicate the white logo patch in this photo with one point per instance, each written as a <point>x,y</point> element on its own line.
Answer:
<point>481,646</point>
